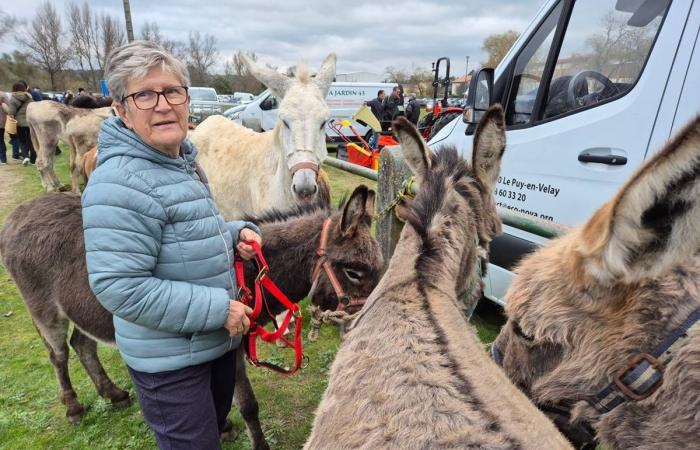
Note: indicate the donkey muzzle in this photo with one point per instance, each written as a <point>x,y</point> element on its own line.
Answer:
<point>304,176</point>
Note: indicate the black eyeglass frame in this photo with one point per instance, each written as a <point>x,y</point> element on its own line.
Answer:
<point>158,94</point>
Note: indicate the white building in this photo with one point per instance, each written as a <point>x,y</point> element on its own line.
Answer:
<point>359,77</point>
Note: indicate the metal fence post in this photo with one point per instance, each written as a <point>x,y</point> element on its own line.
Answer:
<point>393,170</point>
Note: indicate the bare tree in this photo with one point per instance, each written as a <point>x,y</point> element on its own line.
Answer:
<point>497,45</point>
<point>201,56</point>
<point>421,81</point>
<point>46,43</point>
<point>112,37</point>
<point>240,79</point>
<point>7,24</point>
<point>151,32</point>
<point>93,36</point>
<point>84,31</point>
<point>395,75</point>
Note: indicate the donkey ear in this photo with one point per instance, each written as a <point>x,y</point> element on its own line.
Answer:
<point>354,210</point>
<point>652,223</point>
<point>489,145</point>
<point>274,80</point>
<point>369,204</point>
<point>417,154</point>
<point>326,74</point>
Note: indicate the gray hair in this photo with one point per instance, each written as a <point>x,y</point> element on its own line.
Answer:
<point>132,61</point>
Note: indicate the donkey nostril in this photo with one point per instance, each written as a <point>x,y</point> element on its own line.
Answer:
<point>315,189</point>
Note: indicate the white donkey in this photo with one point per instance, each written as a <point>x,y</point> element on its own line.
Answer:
<point>251,172</point>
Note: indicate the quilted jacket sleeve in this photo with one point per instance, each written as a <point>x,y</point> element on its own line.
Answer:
<point>123,224</point>
<point>235,227</point>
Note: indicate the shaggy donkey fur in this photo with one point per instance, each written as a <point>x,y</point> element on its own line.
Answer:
<point>257,166</point>
<point>582,307</point>
<point>412,374</point>
<point>46,258</point>
<point>50,122</point>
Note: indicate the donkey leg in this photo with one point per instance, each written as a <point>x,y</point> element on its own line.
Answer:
<point>86,348</point>
<point>248,404</point>
<point>54,336</point>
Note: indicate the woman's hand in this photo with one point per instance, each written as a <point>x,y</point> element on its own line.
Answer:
<point>245,250</point>
<point>237,322</point>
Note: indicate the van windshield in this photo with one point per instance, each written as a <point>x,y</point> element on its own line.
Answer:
<point>207,95</point>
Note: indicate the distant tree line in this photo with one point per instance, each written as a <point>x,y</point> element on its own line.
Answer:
<point>57,54</point>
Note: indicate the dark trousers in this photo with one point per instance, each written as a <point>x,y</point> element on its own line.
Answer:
<point>14,141</point>
<point>3,147</point>
<point>25,144</point>
<point>187,408</point>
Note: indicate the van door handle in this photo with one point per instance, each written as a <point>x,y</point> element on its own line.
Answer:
<point>612,160</point>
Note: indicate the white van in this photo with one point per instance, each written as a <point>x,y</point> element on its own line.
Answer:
<point>344,99</point>
<point>590,90</point>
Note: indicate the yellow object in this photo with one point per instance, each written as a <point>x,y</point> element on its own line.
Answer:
<point>10,125</point>
<point>345,123</point>
<point>365,115</point>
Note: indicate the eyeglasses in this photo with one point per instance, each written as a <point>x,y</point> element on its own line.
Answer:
<point>174,95</point>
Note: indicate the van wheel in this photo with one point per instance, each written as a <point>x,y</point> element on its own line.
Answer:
<point>441,122</point>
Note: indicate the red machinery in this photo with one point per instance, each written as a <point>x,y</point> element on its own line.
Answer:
<point>360,152</point>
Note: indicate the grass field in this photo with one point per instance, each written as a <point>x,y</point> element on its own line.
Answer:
<point>31,416</point>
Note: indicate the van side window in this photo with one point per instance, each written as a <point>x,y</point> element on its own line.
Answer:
<point>529,68</point>
<point>605,47</point>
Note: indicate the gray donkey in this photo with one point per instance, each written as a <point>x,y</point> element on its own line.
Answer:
<point>412,374</point>
<point>46,258</point>
<point>604,321</point>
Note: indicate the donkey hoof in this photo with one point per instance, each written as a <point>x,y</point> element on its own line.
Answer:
<point>75,414</point>
<point>64,188</point>
<point>123,403</point>
<point>228,434</point>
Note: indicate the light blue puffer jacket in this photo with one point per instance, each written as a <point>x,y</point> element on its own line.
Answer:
<point>159,254</point>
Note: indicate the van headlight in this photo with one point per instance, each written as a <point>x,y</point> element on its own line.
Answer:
<point>236,115</point>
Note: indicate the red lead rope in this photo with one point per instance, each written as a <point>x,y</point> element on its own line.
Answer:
<point>256,330</point>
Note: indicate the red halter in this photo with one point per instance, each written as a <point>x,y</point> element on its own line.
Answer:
<point>344,300</point>
<point>246,297</point>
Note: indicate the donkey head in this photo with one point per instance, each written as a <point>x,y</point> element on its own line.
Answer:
<point>303,114</point>
<point>582,309</point>
<point>351,251</point>
<point>454,206</point>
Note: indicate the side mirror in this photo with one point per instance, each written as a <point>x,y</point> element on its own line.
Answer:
<point>479,96</point>
<point>269,103</point>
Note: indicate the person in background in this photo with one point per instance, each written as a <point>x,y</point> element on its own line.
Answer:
<point>413,109</point>
<point>17,108</point>
<point>391,105</point>
<point>3,118</point>
<point>160,255</point>
<point>67,97</point>
<point>377,107</point>
<point>81,91</point>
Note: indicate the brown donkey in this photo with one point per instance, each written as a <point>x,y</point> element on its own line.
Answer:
<point>412,374</point>
<point>46,258</point>
<point>604,320</point>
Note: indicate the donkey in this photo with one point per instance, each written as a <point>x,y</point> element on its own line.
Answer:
<point>274,169</point>
<point>46,258</point>
<point>50,122</point>
<point>412,373</point>
<point>603,321</point>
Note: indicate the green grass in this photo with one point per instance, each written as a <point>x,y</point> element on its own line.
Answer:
<point>32,417</point>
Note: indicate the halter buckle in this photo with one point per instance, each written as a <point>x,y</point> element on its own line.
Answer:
<point>262,273</point>
<point>633,364</point>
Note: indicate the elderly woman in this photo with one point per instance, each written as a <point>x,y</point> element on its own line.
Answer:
<point>159,254</point>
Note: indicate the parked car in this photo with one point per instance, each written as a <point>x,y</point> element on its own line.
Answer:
<point>204,102</point>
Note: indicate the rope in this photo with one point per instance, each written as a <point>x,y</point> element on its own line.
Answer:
<point>319,317</point>
<point>405,192</point>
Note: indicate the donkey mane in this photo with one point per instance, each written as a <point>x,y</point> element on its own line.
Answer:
<point>294,211</point>
<point>303,73</point>
<point>447,167</point>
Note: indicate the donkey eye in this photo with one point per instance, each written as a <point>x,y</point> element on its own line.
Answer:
<point>323,125</point>
<point>285,123</point>
<point>519,332</point>
<point>354,276</point>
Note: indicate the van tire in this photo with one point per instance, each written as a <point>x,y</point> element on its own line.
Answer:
<point>441,122</point>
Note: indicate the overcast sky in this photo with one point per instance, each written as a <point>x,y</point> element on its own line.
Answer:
<point>366,35</point>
